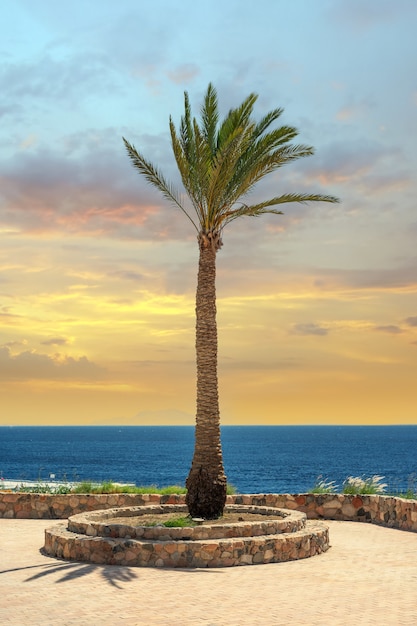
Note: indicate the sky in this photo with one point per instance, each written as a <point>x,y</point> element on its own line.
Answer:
<point>317,309</point>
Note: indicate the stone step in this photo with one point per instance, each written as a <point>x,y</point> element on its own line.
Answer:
<point>312,540</point>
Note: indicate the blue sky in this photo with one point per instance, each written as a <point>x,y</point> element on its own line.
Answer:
<point>317,309</point>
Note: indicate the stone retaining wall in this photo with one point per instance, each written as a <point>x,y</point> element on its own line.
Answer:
<point>47,506</point>
<point>384,510</point>
<point>102,524</point>
<point>227,552</point>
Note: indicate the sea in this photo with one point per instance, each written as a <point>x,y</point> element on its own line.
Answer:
<point>257,459</point>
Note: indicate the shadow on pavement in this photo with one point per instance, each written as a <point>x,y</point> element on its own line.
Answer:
<point>112,574</point>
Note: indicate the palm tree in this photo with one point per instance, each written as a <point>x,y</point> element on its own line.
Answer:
<point>219,164</point>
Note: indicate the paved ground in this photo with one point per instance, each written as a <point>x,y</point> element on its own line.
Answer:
<point>368,577</point>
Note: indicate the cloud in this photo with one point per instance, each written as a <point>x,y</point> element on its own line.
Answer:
<point>52,79</point>
<point>309,329</point>
<point>7,316</point>
<point>353,110</point>
<point>30,365</point>
<point>183,74</point>
<point>89,188</point>
<point>129,275</point>
<point>29,141</point>
<point>411,321</point>
<point>362,15</point>
<point>13,344</point>
<point>85,184</point>
<point>390,328</point>
<point>55,341</point>
<point>363,162</point>
<point>404,277</point>
<point>237,365</point>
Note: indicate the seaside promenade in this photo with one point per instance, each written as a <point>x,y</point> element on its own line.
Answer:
<point>368,577</point>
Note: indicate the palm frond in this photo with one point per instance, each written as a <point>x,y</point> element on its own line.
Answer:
<point>266,121</point>
<point>224,168</point>
<point>267,150</point>
<point>261,208</point>
<point>155,178</point>
<point>221,162</point>
<point>256,164</point>
<point>182,162</point>
<point>302,198</point>
<point>186,132</point>
<point>210,118</point>
<point>236,118</point>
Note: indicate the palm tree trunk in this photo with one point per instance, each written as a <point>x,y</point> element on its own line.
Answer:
<point>206,482</point>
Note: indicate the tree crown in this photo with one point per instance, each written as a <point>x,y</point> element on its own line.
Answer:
<point>221,161</point>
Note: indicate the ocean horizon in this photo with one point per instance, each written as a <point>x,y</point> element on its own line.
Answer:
<point>257,459</point>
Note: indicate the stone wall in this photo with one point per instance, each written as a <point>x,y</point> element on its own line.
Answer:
<point>272,521</point>
<point>225,552</point>
<point>114,538</point>
<point>47,506</point>
<point>384,510</point>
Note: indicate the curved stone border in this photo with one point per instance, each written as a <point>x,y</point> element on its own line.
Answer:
<point>387,511</point>
<point>99,523</point>
<point>384,510</point>
<point>227,552</point>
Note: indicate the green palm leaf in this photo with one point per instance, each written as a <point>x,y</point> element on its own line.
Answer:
<point>156,178</point>
<point>221,162</point>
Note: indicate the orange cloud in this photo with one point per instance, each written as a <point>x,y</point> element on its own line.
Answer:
<point>183,74</point>
<point>30,365</point>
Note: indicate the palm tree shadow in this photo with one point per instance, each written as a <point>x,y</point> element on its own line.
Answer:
<point>112,574</point>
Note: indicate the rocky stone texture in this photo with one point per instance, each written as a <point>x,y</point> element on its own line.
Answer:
<point>388,511</point>
<point>47,506</point>
<point>100,523</point>
<point>385,510</point>
<point>86,538</point>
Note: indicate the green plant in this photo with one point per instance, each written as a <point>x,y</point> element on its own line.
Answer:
<point>411,492</point>
<point>180,522</point>
<point>62,489</point>
<point>370,485</point>
<point>173,522</point>
<point>83,487</point>
<point>323,485</point>
<point>45,488</point>
<point>408,495</point>
<point>110,487</point>
<point>164,491</point>
<point>38,488</point>
<point>104,487</point>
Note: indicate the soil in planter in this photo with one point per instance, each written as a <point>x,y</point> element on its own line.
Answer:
<point>159,519</point>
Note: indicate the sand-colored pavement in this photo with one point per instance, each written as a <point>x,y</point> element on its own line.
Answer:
<point>369,576</point>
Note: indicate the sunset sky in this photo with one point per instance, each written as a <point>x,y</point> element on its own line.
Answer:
<point>317,309</point>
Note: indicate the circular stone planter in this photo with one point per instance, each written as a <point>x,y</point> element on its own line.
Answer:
<point>284,535</point>
<point>99,523</point>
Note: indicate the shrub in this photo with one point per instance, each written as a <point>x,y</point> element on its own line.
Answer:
<point>106,486</point>
<point>323,485</point>
<point>110,487</point>
<point>358,485</point>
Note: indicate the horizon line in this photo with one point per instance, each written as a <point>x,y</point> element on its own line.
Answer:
<point>193,425</point>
